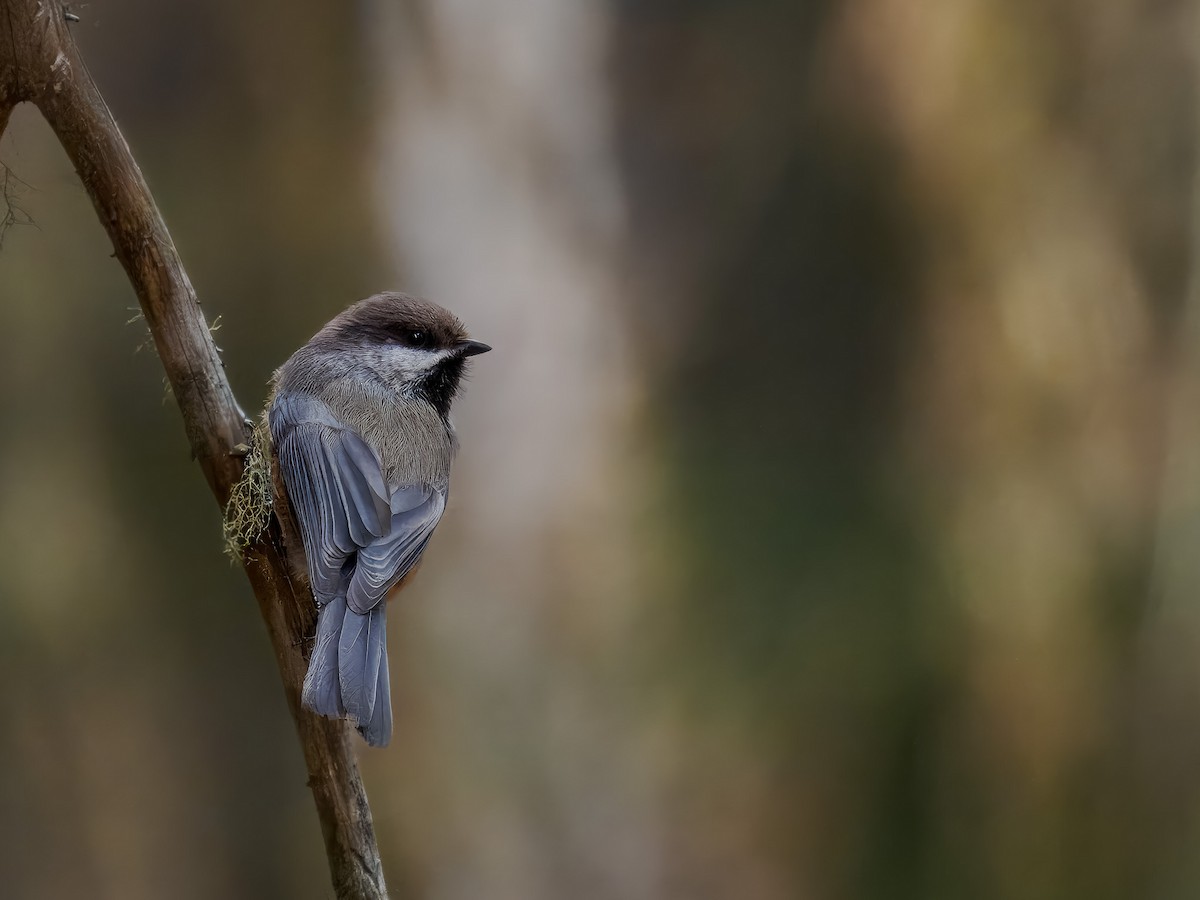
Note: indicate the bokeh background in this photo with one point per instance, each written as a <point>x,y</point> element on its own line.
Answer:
<point>827,523</point>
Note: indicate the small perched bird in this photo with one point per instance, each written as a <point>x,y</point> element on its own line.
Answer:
<point>359,419</point>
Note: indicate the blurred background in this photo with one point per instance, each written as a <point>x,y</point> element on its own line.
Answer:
<point>827,523</point>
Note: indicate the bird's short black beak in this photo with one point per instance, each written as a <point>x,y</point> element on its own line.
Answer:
<point>471,348</point>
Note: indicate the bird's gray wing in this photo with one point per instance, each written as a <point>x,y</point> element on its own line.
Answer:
<point>415,512</point>
<point>335,486</point>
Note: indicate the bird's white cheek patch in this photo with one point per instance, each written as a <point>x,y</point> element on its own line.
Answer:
<point>406,363</point>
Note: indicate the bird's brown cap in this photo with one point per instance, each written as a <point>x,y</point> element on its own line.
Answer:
<point>399,318</point>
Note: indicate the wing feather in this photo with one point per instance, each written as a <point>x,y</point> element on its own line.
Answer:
<point>381,565</point>
<point>336,487</point>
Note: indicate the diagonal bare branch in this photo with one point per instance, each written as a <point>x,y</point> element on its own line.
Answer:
<point>40,63</point>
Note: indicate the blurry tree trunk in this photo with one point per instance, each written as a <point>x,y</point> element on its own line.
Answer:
<point>39,63</point>
<point>500,192</point>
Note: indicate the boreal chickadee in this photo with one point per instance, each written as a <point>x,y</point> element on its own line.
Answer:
<point>360,424</point>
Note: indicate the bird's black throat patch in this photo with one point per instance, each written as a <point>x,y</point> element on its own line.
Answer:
<point>441,384</point>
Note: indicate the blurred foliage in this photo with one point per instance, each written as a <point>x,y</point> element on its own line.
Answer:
<point>884,582</point>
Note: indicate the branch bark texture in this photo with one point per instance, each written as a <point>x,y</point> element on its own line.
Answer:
<point>40,64</point>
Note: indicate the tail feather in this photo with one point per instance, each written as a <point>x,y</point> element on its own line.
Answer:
<point>379,729</point>
<point>348,671</point>
<point>322,691</point>
<point>362,671</point>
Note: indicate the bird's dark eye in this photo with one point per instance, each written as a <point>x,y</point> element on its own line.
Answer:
<point>416,338</point>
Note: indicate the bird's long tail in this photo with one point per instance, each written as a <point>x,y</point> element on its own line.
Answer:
<point>348,671</point>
